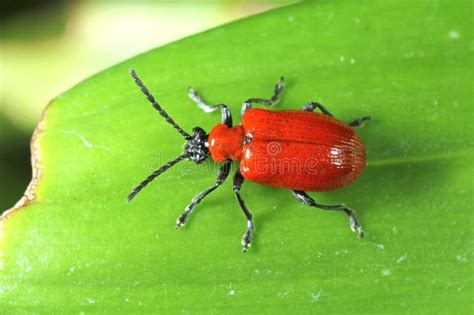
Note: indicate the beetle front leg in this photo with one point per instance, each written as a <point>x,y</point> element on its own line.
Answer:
<point>223,173</point>
<point>311,106</point>
<point>307,200</point>
<point>225,112</point>
<point>359,122</point>
<point>248,235</point>
<point>267,102</point>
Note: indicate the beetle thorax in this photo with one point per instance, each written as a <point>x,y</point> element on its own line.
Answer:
<point>226,143</point>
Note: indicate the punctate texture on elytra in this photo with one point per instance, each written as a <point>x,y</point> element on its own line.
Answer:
<point>300,150</point>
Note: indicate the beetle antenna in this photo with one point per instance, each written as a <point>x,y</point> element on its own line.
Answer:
<point>153,175</point>
<point>157,106</point>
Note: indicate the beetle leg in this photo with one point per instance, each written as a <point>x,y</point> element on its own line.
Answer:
<point>223,173</point>
<point>267,102</point>
<point>225,112</point>
<point>313,105</point>
<point>307,200</point>
<point>359,122</point>
<point>247,238</point>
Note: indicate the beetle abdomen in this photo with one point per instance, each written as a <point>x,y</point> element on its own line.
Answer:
<point>300,150</point>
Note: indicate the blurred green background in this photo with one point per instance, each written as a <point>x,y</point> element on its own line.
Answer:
<point>47,47</point>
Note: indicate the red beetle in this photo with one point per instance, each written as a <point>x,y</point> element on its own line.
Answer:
<point>298,150</point>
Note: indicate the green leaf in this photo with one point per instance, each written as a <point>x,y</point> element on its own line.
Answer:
<point>77,246</point>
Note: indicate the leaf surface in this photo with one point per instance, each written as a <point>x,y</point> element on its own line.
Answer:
<point>79,247</point>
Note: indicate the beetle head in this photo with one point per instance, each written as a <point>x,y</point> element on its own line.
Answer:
<point>196,148</point>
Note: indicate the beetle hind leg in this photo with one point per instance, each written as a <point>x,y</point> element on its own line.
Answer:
<point>267,102</point>
<point>225,112</point>
<point>248,235</point>
<point>307,200</point>
<point>360,122</point>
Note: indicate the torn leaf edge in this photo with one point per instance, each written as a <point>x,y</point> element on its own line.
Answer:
<point>37,170</point>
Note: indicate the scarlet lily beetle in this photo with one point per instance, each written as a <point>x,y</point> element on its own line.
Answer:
<point>297,150</point>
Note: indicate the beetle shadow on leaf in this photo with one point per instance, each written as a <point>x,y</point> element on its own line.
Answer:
<point>380,189</point>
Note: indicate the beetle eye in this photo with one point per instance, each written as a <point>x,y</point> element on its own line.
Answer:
<point>198,132</point>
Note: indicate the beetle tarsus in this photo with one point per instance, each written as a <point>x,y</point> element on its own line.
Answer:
<point>183,218</point>
<point>225,112</point>
<point>267,102</point>
<point>307,200</point>
<point>247,240</point>
<point>355,226</point>
<point>358,123</point>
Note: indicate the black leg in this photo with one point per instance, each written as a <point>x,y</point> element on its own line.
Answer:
<point>225,112</point>
<point>223,173</point>
<point>313,105</point>
<point>307,200</point>
<point>359,122</point>
<point>267,102</point>
<point>247,238</point>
